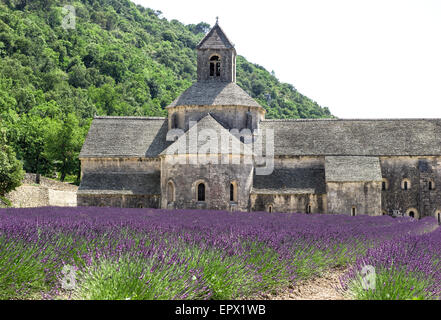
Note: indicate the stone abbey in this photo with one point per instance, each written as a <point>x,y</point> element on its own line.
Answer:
<point>332,166</point>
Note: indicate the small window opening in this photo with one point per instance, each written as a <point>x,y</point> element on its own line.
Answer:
<point>232,193</point>
<point>383,186</point>
<point>439,218</point>
<point>140,205</point>
<point>270,209</point>
<point>215,66</point>
<point>201,192</point>
<point>308,209</point>
<point>412,214</point>
<point>431,185</point>
<point>406,185</point>
<point>354,211</point>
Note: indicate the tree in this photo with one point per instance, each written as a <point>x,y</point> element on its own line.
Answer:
<point>11,171</point>
<point>62,145</point>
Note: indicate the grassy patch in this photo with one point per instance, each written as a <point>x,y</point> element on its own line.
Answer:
<point>393,285</point>
<point>5,202</point>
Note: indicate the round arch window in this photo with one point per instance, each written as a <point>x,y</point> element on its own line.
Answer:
<point>413,213</point>
<point>215,66</point>
<point>405,184</point>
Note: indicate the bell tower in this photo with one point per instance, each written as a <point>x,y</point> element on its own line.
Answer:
<point>216,57</point>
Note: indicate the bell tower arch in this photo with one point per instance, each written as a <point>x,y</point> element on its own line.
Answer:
<point>216,57</point>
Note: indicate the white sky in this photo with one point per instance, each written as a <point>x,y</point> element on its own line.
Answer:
<point>360,58</point>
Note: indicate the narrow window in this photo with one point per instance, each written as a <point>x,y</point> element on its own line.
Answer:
<point>215,66</point>
<point>412,214</point>
<point>201,192</point>
<point>270,209</point>
<point>439,218</point>
<point>431,185</point>
<point>385,184</point>
<point>308,209</point>
<point>232,192</point>
<point>405,185</point>
<point>170,192</point>
<point>353,211</point>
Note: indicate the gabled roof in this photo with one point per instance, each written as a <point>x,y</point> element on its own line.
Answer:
<point>215,39</point>
<point>110,137</point>
<point>355,137</point>
<point>206,93</point>
<point>206,129</point>
<point>352,169</point>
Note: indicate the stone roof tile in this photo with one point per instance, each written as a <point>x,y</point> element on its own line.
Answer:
<point>352,169</point>
<point>205,93</point>
<point>125,137</point>
<point>355,137</point>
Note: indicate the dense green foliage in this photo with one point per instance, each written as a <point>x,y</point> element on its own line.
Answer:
<point>120,59</point>
<point>11,171</point>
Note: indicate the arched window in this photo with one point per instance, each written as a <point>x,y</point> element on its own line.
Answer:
<point>215,66</point>
<point>413,213</point>
<point>405,184</point>
<point>353,211</point>
<point>384,213</point>
<point>270,208</point>
<point>438,216</point>
<point>233,192</point>
<point>201,192</point>
<point>170,192</point>
<point>140,205</point>
<point>308,208</point>
<point>384,184</point>
<point>431,185</point>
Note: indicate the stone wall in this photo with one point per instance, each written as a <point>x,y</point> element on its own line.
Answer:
<point>119,201</point>
<point>124,199</point>
<point>228,65</point>
<point>419,171</point>
<point>232,117</point>
<point>131,165</point>
<point>217,179</point>
<point>286,203</point>
<point>365,197</point>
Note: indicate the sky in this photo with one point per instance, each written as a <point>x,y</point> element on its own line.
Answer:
<point>359,58</point>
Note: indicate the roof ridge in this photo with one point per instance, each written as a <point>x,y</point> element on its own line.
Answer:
<point>128,118</point>
<point>354,119</point>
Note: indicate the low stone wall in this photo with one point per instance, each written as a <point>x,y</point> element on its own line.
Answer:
<point>29,197</point>
<point>48,193</point>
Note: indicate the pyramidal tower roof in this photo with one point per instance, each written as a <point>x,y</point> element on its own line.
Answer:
<point>215,39</point>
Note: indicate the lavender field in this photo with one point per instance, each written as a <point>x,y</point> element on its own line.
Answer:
<point>147,254</point>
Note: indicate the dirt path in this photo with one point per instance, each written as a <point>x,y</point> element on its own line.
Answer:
<point>320,288</point>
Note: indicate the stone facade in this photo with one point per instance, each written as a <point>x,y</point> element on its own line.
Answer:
<point>369,167</point>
